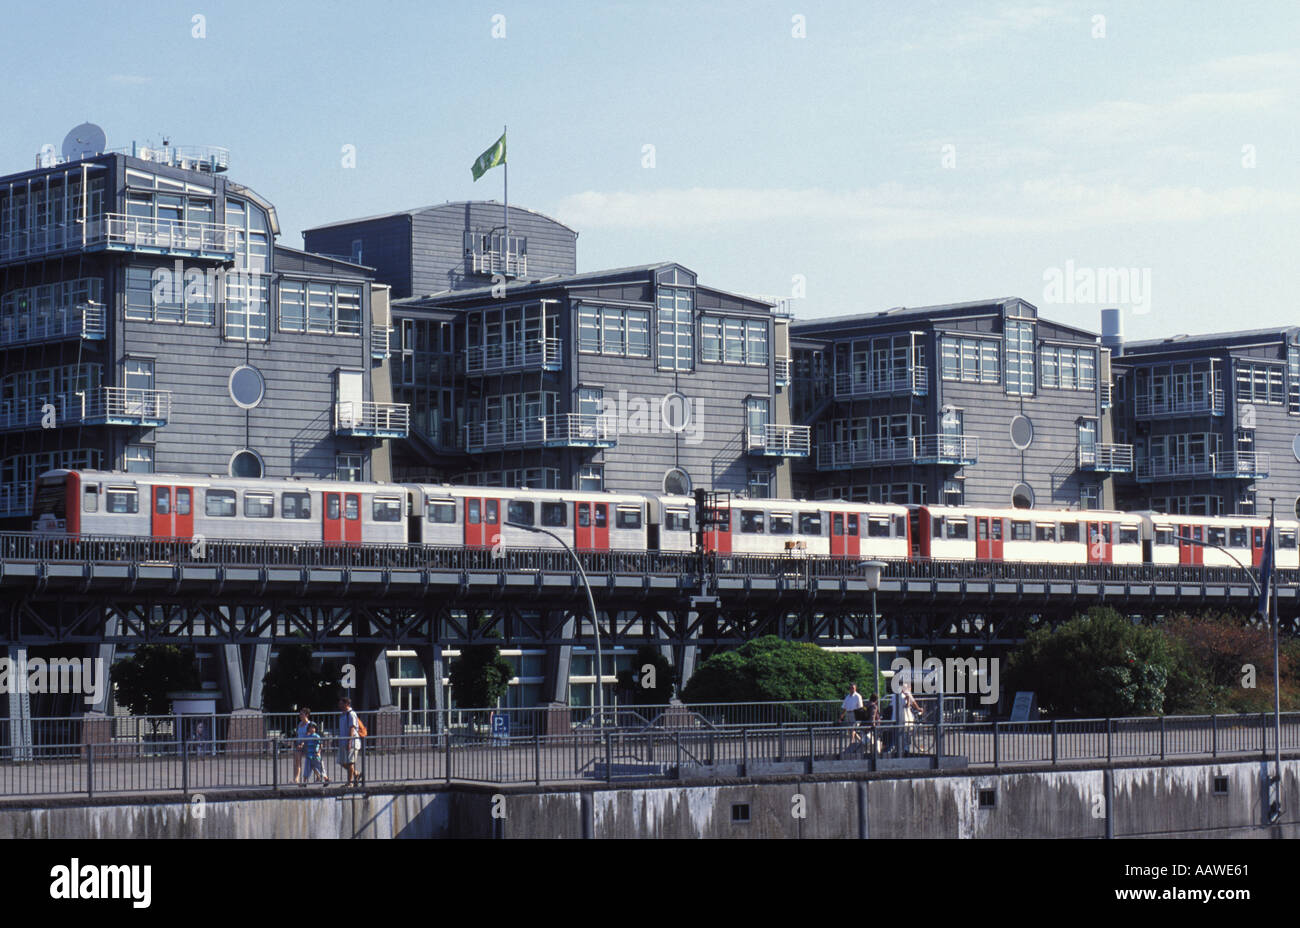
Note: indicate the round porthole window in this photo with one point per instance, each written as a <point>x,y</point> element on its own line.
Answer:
<point>675,410</point>
<point>1295,447</point>
<point>1022,432</point>
<point>677,483</point>
<point>247,386</point>
<point>1022,497</point>
<point>245,464</point>
<point>1297,507</point>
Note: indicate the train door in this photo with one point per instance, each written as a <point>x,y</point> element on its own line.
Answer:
<point>918,530</point>
<point>415,518</point>
<point>482,522</point>
<point>341,519</point>
<point>846,534</point>
<point>1099,535</point>
<point>1189,553</point>
<point>988,538</point>
<point>591,526</point>
<point>172,512</point>
<point>717,537</point>
<point>1257,538</point>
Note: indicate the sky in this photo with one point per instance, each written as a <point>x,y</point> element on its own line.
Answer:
<point>852,156</point>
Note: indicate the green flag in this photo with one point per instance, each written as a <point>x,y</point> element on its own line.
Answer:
<point>490,158</point>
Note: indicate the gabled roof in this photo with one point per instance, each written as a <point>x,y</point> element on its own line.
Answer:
<point>1210,340</point>
<point>425,209</point>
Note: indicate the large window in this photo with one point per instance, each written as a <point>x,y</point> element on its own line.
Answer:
<point>734,341</point>
<point>1069,368</point>
<point>614,331</point>
<point>1020,358</point>
<point>293,306</point>
<point>158,295</point>
<point>676,329</point>
<point>1260,383</point>
<point>973,360</point>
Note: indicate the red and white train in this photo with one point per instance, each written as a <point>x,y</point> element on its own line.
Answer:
<point>166,507</point>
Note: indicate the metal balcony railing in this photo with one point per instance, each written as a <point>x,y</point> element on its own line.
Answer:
<point>503,433</point>
<point>1249,465</point>
<point>379,338</point>
<point>85,321</point>
<point>1107,458</point>
<point>372,420</point>
<point>914,380</point>
<point>15,499</point>
<point>918,449</point>
<point>1162,467</point>
<point>781,371</point>
<point>782,441</point>
<point>126,406</point>
<point>119,232</point>
<point>494,262</point>
<point>1146,406</point>
<point>945,449</point>
<point>576,430</point>
<point>541,354</point>
<point>1104,391</point>
<point>210,159</point>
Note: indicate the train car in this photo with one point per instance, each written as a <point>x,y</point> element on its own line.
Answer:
<point>1043,536</point>
<point>490,517</point>
<point>1181,539</point>
<point>178,507</point>
<point>816,528</point>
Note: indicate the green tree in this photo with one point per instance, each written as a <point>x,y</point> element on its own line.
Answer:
<point>649,681</point>
<point>1096,665</point>
<point>773,669</point>
<point>1234,660</point>
<point>144,679</point>
<point>293,682</point>
<point>480,676</point>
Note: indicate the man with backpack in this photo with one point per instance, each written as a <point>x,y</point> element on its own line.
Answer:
<point>351,731</point>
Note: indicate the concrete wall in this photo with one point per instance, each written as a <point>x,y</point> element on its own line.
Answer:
<point>1139,801</point>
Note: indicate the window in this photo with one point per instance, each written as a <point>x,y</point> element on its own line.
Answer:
<point>259,505</point>
<point>246,464</point>
<point>1022,531</point>
<point>347,467</point>
<point>956,528</point>
<point>349,309</point>
<point>759,484</point>
<point>1286,538</point>
<point>1069,531</point>
<point>332,509</point>
<point>555,515</point>
<point>320,308</point>
<point>601,512</point>
<point>751,521</point>
<point>1069,368</point>
<point>386,509</point>
<point>591,477</point>
<point>162,500</point>
<point>444,512</point>
<point>351,507</point>
<point>810,523</point>
<point>1045,532</point>
<point>90,498</point>
<point>219,504</point>
<point>1089,496</point>
<point>1260,383</point>
<point>475,511</point>
<point>1128,535</point>
<point>614,331</point>
<point>676,329</point>
<point>1237,538</point>
<point>158,294</point>
<point>295,506</point>
<point>878,527</point>
<point>972,360</point>
<point>138,459</point>
<point>1218,536</point>
<point>122,500</point>
<point>519,512</point>
<point>293,306</point>
<point>780,523</point>
<point>627,517</point>
<point>1019,338</point>
<point>851,524</point>
<point>677,520</point>
<point>1164,535</point>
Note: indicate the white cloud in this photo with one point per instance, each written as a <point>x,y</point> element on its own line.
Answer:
<point>129,79</point>
<point>1007,20</point>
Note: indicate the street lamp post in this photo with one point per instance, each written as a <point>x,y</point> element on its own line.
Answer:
<point>873,570</point>
<point>591,605</point>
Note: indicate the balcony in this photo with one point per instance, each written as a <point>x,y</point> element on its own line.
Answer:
<point>372,420</point>
<point>1243,465</point>
<point>544,354</point>
<point>1106,458</point>
<point>126,406</point>
<point>379,339</point>
<point>86,321</point>
<point>494,262</point>
<point>575,430</point>
<point>920,449</point>
<point>781,371</point>
<point>1146,406</point>
<point>15,500</point>
<point>118,232</point>
<point>1228,465</point>
<point>914,380</point>
<point>779,441</point>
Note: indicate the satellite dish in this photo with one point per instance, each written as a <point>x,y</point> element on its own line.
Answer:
<point>85,139</point>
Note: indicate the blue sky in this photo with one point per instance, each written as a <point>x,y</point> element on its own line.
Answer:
<point>777,159</point>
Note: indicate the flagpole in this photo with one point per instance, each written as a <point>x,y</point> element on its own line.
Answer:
<point>1276,809</point>
<point>505,245</point>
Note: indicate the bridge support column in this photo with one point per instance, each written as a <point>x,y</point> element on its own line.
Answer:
<point>232,677</point>
<point>431,660</point>
<point>261,658</point>
<point>19,706</point>
<point>555,688</point>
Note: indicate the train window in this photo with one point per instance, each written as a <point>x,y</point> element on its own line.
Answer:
<point>331,505</point>
<point>627,517</point>
<point>584,515</point>
<point>677,520</point>
<point>1022,531</point>
<point>1285,539</point>
<point>996,526</point>
<point>1218,536</point>
<point>900,526</point>
<point>351,507</point>
<point>386,509</point>
<point>1164,535</point>
<point>780,523</point>
<point>956,528</point>
<point>851,524</point>
<point>1069,531</point>
<point>555,515</point>
<point>182,501</point>
<point>937,530</point>
<point>220,504</point>
<point>1237,538</point>
<point>878,528</point>
<point>90,498</point>
<point>259,505</point>
<point>810,523</point>
<point>751,521</point>
<point>162,500</point>
<point>602,514</point>
<point>520,512</point>
<point>295,506</point>
<point>475,511</point>
<point>442,511</point>
<point>1045,531</point>
<point>1128,534</point>
<point>491,511</point>
<point>122,500</point>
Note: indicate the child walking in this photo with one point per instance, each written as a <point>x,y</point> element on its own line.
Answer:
<point>311,754</point>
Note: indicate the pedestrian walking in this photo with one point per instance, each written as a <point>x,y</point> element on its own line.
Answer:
<point>313,766</point>
<point>349,740</point>
<point>873,719</point>
<point>299,746</point>
<point>906,711</point>
<point>849,712</point>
